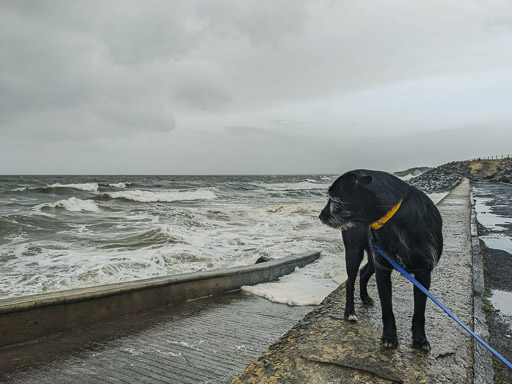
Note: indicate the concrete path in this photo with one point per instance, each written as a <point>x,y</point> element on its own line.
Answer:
<point>203,341</point>
<point>322,348</point>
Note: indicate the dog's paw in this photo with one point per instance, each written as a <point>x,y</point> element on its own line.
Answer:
<point>389,342</point>
<point>421,344</point>
<point>351,317</point>
<point>367,300</point>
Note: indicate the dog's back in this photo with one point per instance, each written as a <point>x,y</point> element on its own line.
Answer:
<point>414,234</point>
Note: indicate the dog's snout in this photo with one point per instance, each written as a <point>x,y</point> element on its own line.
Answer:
<point>323,216</point>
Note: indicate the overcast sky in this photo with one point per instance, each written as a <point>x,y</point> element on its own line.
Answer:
<point>251,87</point>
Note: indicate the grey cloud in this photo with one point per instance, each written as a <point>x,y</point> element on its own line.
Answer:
<point>200,86</point>
<point>120,70</point>
<point>247,131</point>
<point>265,22</point>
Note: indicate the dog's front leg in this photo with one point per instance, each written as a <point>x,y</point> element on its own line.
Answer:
<point>354,240</point>
<point>419,340</point>
<point>389,338</point>
<point>364,275</point>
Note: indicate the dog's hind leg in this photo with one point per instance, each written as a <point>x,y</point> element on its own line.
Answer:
<point>355,242</point>
<point>389,337</point>
<point>419,340</point>
<point>366,272</point>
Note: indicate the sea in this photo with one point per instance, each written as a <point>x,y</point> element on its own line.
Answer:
<point>64,232</point>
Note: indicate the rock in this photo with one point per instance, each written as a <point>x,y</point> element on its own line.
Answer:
<point>263,259</point>
<point>445,177</point>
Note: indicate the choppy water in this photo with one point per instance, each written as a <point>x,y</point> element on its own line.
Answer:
<point>61,232</point>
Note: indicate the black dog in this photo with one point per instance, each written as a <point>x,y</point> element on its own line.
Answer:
<point>376,208</point>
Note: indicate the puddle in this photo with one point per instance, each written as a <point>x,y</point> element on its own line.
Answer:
<point>502,301</point>
<point>488,209</point>
<point>487,218</point>
<point>497,241</point>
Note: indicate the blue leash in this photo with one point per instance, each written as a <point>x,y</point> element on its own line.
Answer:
<point>426,292</point>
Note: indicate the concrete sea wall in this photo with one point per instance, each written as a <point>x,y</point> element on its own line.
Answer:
<point>30,317</point>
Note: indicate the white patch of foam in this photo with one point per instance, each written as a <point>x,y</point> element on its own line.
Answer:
<point>72,205</point>
<point>90,187</point>
<point>305,286</point>
<point>163,196</point>
<point>118,185</point>
<point>303,185</point>
<point>182,343</point>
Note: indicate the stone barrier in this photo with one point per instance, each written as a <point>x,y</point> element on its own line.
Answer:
<point>30,317</point>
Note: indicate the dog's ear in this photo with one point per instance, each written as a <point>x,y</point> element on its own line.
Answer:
<point>364,180</point>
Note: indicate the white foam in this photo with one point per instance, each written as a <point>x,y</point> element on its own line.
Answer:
<point>90,187</point>
<point>72,205</point>
<point>305,286</point>
<point>118,185</point>
<point>163,196</point>
<point>303,185</point>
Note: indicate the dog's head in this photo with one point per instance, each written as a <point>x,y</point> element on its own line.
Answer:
<point>350,200</point>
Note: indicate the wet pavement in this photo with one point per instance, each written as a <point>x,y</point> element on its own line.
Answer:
<point>494,214</point>
<point>208,340</point>
<point>323,348</point>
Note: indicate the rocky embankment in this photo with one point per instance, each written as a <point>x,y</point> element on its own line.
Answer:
<point>445,177</point>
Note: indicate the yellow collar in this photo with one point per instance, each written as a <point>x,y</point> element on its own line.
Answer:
<point>383,220</point>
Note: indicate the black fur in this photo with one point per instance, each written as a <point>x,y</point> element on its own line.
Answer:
<point>413,237</point>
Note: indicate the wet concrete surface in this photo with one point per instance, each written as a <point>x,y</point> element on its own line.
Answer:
<point>208,340</point>
<point>494,214</point>
<point>323,348</point>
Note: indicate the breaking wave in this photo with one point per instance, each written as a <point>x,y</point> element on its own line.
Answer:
<point>304,185</point>
<point>72,205</point>
<point>118,185</point>
<point>162,196</point>
<point>89,187</point>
